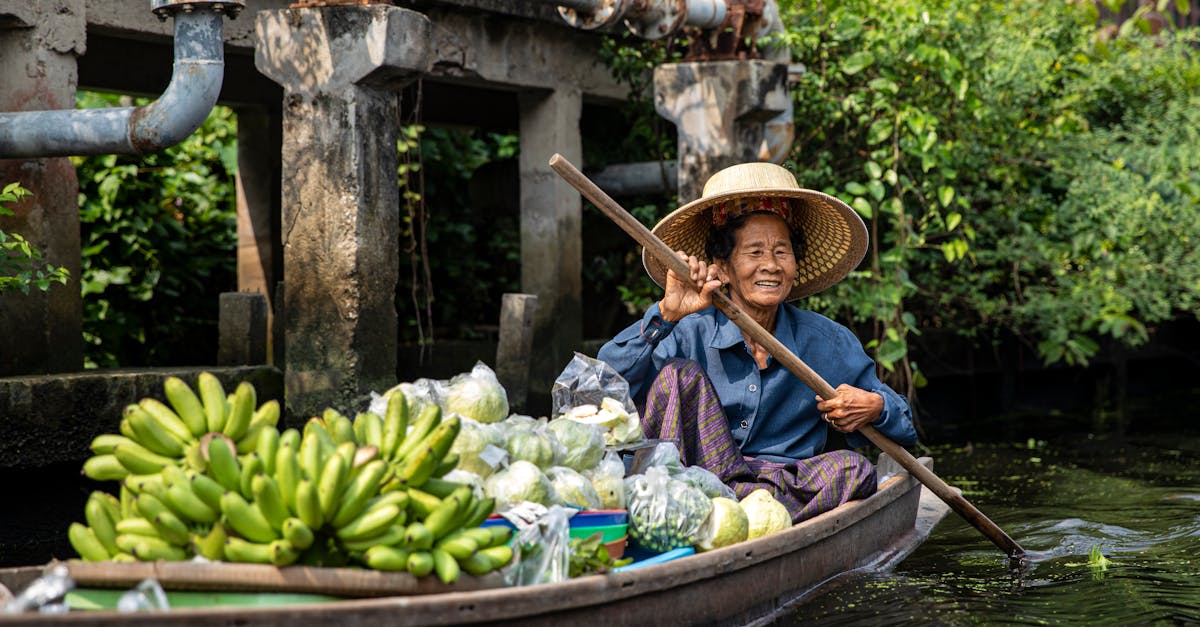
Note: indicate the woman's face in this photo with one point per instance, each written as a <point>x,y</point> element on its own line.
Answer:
<point>762,266</point>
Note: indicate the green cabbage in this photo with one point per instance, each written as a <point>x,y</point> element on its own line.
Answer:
<point>472,444</point>
<point>535,446</point>
<point>573,488</point>
<point>521,481</point>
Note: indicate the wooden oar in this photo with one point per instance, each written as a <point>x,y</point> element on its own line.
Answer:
<point>785,356</point>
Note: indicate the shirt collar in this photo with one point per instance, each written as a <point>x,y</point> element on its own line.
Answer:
<point>727,334</point>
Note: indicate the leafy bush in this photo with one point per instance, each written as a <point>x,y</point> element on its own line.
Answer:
<point>159,240</point>
<point>21,265</point>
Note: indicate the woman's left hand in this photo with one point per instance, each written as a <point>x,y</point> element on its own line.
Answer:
<point>851,408</point>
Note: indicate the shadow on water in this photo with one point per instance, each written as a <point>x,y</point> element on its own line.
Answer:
<point>1112,531</point>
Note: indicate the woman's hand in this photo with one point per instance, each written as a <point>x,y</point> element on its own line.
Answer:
<point>851,408</point>
<point>687,297</point>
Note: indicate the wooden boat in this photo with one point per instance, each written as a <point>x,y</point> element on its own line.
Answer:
<point>739,584</point>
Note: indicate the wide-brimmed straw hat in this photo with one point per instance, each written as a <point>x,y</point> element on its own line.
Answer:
<point>835,237</point>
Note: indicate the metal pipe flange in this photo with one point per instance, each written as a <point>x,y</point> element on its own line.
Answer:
<point>168,8</point>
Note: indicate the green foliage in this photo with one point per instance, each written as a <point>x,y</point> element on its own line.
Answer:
<point>159,237</point>
<point>21,265</point>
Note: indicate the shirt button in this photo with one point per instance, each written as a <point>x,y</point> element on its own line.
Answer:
<point>745,425</point>
<point>753,388</point>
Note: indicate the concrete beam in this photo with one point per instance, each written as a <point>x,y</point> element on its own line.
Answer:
<point>341,69</point>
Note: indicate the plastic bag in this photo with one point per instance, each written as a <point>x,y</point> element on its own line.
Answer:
<point>417,394</point>
<point>147,596</point>
<point>573,489</point>
<point>480,447</point>
<point>704,480</point>
<point>587,381</point>
<point>664,513</point>
<point>582,444</point>
<point>664,455</point>
<point>543,549</point>
<point>44,594</point>
<point>520,481</point>
<point>477,395</point>
<point>608,478</point>
<point>528,439</point>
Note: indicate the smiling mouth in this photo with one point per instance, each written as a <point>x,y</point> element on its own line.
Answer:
<point>768,284</point>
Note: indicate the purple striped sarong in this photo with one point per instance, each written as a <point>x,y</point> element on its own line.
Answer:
<point>683,405</point>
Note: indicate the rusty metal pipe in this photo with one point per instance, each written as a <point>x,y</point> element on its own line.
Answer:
<point>177,113</point>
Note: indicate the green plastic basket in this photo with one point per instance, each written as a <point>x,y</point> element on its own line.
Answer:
<point>608,533</point>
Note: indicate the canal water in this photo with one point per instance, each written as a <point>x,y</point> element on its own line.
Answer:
<point>1111,525</point>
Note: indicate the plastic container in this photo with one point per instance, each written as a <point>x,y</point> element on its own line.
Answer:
<point>616,548</point>
<point>584,518</point>
<point>608,533</point>
<point>642,560</point>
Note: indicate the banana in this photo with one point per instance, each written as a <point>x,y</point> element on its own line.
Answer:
<point>124,557</point>
<point>211,545</point>
<point>448,463</point>
<point>283,553</point>
<point>126,499</point>
<point>420,563</point>
<point>152,549</point>
<point>269,501</point>
<point>171,528</point>
<point>183,500</point>
<point>477,564</point>
<point>244,402</point>
<point>308,504</point>
<point>429,418</point>
<point>441,520</point>
<point>104,443</point>
<point>287,473</point>
<point>173,474</point>
<point>499,555</point>
<point>136,526</point>
<point>299,534</point>
<point>311,458</point>
<point>145,484</point>
<point>479,512</point>
<point>329,487</point>
<point>395,424</point>
<point>391,536</point>
<point>167,417</point>
<point>239,550</point>
<point>104,468</point>
<point>251,466</point>
<point>83,539</point>
<point>138,459</point>
<point>371,522</point>
<point>101,523</point>
<point>368,429</point>
<point>246,519</point>
<point>458,545</point>
<point>418,467</point>
<point>249,442</point>
<point>266,447</point>
<point>193,457</point>
<point>399,498</point>
<point>500,535</point>
<point>102,518</point>
<point>207,489</point>
<point>360,489</point>
<point>212,396</point>
<point>338,426</point>
<point>421,503</point>
<point>444,565</point>
<point>290,437</point>
<point>151,434</point>
<point>418,536</point>
<point>223,464</point>
<point>388,558</point>
<point>267,414</point>
<point>315,428</point>
<point>187,405</point>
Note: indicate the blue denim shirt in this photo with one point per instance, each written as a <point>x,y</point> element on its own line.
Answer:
<point>771,413</point>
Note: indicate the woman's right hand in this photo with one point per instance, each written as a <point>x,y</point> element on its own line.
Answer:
<point>687,297</point>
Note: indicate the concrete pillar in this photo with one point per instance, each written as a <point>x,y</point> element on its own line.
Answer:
<point>242,329</point>
<point>341,69</point>
<point>258,182</point>
<point>551,239</point>
<point>725,113</point>
<point>39,44</point>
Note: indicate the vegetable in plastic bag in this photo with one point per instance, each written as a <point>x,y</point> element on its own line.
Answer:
<point>521,481</point>
<point>529,440</point>
<point>573,489</point>
<point>477,395</point>
<point>608,478</point>
<point>664,513</point>
<point>480,447</point>
<point>704,480</point>
<point>542,550</point>
<point>582,444</point>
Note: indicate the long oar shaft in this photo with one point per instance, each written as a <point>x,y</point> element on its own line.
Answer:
<point>783,354</point>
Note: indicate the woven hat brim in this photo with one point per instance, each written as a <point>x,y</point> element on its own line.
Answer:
<point>835,235</point>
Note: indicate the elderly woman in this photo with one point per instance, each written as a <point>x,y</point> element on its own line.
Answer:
<point>734,410</point>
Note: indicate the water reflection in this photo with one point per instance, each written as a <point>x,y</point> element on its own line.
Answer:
<point>1112,532</point>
